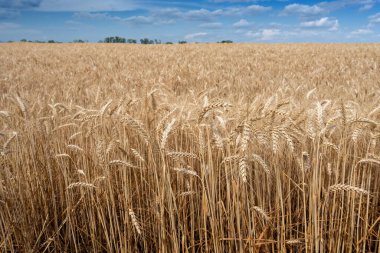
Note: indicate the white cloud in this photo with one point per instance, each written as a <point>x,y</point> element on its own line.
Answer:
<point>366,7</point>
<point>204,14</point>
<point>8,26</point>
<point>138,20</point>
<point>135,20</point>
<point>291,34</point>
<point>214,25</point>
<point>257,8</point>
<point>169,15</point>
<point>339,4</point>
<point>195,35</point>
<point>93,15</point>
<point>86,5</point>
<point>73,23</point>
<point>374,19</point>
<point>361,32</point>
<point>9,13</point>
<point>17,31</point>
<point>19,4</point>
<point>201,14</point>
<point>264,34</point>
<point>302,9</point>
<point>235,1</point>
<point>242,23</point>
<point>332,24</point>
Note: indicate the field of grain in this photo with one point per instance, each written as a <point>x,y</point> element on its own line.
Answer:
<point>189,148</point>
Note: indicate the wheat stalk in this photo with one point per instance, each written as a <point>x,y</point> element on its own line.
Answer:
<point>243,167</point>
<point>137,155</point>
<point>21,105</point>
<point>135,222</point>
<point>81,185</point>
<point>262,212</point>
<point>263,164</point>
<point>166,133</point>
<point>123,163</point>
<point>138,127</point>
<point>212,107</point>
<point>370,160</point>
<point>175,154</point>
<point>186,171</point>
<point>345,187</point>
<point>6,144</point>
<point>75,148</point>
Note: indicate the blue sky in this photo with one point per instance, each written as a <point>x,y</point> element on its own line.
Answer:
<point>194,21</point>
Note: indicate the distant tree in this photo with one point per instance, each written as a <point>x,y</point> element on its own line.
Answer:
<point>146,41</point>
<point>23,40</point>
<point>131,41</point>
<point>120,40</point>
<point>169,43</point>
<point>79,41</point>
<point>115,39</point>
<point>10,41</point>
<point>182,42</point>
<point>51,41</point>
<point>157,41</point>
<point>226,41</point>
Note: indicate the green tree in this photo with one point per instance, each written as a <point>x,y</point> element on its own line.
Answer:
<point>146,41</point>
<point>131,41</point>
<point>79,41</point>
<point>226,41</point>
<point>115,39</point>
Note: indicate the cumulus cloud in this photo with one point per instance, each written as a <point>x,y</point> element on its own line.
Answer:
<point>289,34</point>
<point>242,23</point>
<point>235,1</point>
<point>257,8</point>
<point>213,25</point>
<point>135,20</point>
<point>195,35</point>
<point>264,34</point>
<point>87,5</point>
<point>138,20</point>
<point>19,4</point>
<point>324,7</point>
<point>302,9</point>
<point>361,32</point>
<point>325,22</point>
<point>204,14</point>
<point>8,13</point>
<point>8,26</point>
<point>339,4</point>
<point>169,15</point>
<point>366,7</point>
<point>70,5</point>
<point>374,19</point>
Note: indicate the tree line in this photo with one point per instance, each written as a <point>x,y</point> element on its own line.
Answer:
<point>117,39</point>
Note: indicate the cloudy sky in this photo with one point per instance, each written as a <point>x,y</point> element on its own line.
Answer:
<point>194,21</point>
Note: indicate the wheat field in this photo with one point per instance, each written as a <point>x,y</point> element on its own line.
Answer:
<point>189,148</point>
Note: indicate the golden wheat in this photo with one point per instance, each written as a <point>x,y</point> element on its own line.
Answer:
<point>133,148</point>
